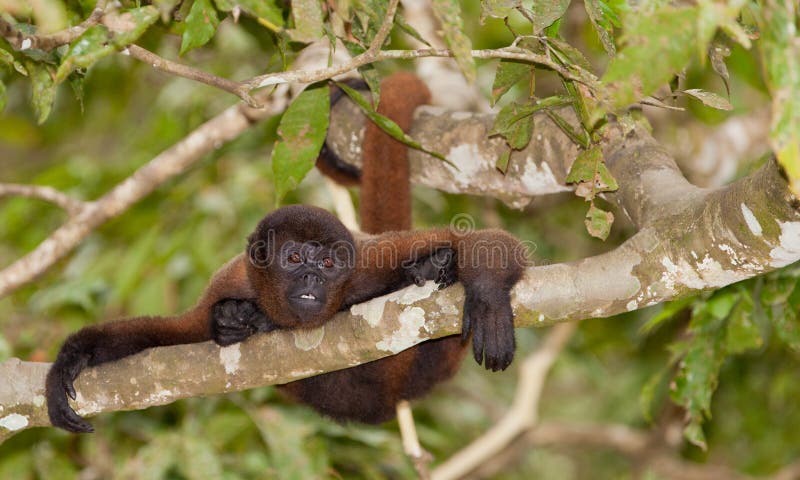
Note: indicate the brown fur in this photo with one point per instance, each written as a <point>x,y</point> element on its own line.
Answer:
<point>368,392</point>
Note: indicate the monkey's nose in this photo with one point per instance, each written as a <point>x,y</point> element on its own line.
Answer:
<point>311,279</point>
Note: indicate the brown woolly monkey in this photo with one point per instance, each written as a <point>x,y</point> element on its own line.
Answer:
<point>301,266</point>
<point>370,392</point>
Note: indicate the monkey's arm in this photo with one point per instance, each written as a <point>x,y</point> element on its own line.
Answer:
<point>489,263</point>
<point>97,344</point>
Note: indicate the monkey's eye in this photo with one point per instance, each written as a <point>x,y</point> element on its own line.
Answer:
<point>327,262</point>
<point>294,257</point>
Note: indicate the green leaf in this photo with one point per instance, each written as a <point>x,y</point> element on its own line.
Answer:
<point>546,12</point>
<point>76,83</point>
<point>201,24</point>
<point>128,26</point>
<point>602,25</point>
<point>780,47</point>
<point>590,173</point>
<point>743,334</point>
<point>598,222</point>
<point>668,311</point>
<point>497,8</point>
<point>515,123</point>
<point>3,96</point>
<point>448,12</point>
<point>710,99</point>
<point>266,11</point>
<point>44,89</point>
<point>663,42</point>
<point>6,58</point>
<point>401,23</point>
<point>386,124</point>
<point>508,74</point>
<point>502,162</point>
<point>302,132</point>
<point>697,378</point>
<point>85,50</point>
<point>784,318</point>
<point>307,15</point>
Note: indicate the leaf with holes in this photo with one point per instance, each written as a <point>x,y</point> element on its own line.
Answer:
<point>709,99</point>
<point>508,74</point>
<point>598,222</point>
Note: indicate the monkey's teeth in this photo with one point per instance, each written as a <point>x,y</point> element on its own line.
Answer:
<point>308,296</point>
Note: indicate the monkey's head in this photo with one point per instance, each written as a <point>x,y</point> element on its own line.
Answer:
<point>300,261</point>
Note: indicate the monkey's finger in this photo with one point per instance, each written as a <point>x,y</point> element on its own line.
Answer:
<point>69,388</point>
<point>478,337</point>
<point>419,281</point>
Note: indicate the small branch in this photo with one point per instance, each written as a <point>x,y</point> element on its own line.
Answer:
<point>408,432</point>
<point>511,53</point>
<point>21,41</point>
<point>72,205</point>
<point>241,90</point>
<point>521,417</point>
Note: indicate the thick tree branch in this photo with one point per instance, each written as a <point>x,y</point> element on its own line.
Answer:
<point>696,240</point>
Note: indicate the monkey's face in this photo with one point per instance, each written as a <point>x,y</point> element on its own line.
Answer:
<point>313,276</point>
<point>301,259</point>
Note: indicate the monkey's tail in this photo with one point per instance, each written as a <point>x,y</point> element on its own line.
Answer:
<point>384,178</point>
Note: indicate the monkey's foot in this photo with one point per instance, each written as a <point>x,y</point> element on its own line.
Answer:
<point>235,320</point>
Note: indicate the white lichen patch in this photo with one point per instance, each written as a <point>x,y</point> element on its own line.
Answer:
<point>470,161</point>
<point>734,257</point>
<point>539,179</point>
<point>38,400</point>
<point>682,273</point>
<point>445,306</point>
<point>14,421</point>
<point>632,305</point>
<point>308,339</point>
<point>751,221</point>
<point>411,319</point>
<point>229,358</point>
<point>788,249</point>
<point>372,311</point>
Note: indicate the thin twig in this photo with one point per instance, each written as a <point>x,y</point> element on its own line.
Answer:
<point>369,56</point>
<point>241,90</point>
<point>72,205</point>
<point>522,415</point>
<point>420,458</point>
<point>21,41</point>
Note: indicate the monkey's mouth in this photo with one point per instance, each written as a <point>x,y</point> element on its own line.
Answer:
<point>306,303</point>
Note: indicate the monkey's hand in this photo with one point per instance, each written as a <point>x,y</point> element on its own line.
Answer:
<point>489,318</point>
<point>234,320</point>
<point>71,360</point>
<point>439,267</point>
